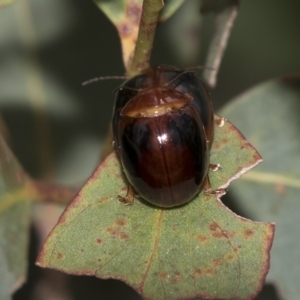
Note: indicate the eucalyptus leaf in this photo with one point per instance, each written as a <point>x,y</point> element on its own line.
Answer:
<point>171,6</point>
<point>125,15</point>
<point>14,223</point>
<point>269,117</point>
<point>201,249</point>
<point>4,3</point>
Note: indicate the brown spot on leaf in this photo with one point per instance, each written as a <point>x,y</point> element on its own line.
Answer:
<point>217,262</point>
<point>209,272</point>
<point>124,29</point>
<point>225,141</point>
<point>237,249</point>
<point>219,233</point>
<point>201,272</point>
<point>230,257</point>
<point>229,234</point>
<point>124,236</point>
<point>59,255</point>
<point>197,273</point>
<point>113,231</point>
<point>202,238</point>
<point>134,11</point>
<point>164,275</point>
<point>120,222</point>
<point>213,226</point>
<point>248,233</point>
<point>99,241</point>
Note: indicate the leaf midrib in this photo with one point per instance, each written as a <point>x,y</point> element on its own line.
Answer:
<point>265,177</point>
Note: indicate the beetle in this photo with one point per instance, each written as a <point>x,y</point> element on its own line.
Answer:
<point>163,126</point>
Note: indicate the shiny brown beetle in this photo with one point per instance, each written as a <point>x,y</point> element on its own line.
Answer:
<point>163,126</point>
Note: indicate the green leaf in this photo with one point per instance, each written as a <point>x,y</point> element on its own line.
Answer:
<point>14,223</point>
<point>136,24</point>
<point>171,6</point>
<point>199,249</point>
<point>4,3</point>
<point>269,117</point>
<point>125,15</point>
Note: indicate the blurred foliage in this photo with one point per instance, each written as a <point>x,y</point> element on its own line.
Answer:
<point>271,191</point>
<point>4,3</point>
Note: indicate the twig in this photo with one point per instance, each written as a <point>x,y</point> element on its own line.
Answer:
<point>149,19</point>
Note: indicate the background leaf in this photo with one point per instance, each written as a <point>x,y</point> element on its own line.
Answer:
<point>171,6</point>
<point>269,117</point>
<point>125,15</point>
<point>14,223</point>
<point>4,3</point>
<point>200,249</point>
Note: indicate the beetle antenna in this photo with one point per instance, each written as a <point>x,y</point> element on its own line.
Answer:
<point>103,78</point>
<point>176,77</point>
<point>127,88</point>
<point>201,68</point>
<point>189,70</point>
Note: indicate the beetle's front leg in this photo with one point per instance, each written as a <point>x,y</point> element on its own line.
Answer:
<point>128,199</point>
<point>207,186</point>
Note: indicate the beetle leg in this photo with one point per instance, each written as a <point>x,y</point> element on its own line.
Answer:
<point>215,167</point>
<point>209,191</point>
<point>128,199</point>
<point>220,122</point>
